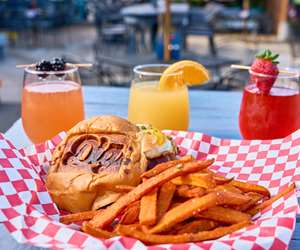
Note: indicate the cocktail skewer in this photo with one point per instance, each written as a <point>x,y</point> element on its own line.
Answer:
<point>78,65</point>
<point>235,66</point>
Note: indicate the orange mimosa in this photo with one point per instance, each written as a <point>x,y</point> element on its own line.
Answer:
<point>49,107</point>
<point>159,94</point>
<point>164,109</point>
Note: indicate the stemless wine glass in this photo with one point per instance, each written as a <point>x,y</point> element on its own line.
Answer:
<point>270,113</point>
<point>164,109</point>
<point>51,102</point>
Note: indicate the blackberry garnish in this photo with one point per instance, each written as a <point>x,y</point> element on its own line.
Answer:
<point>58,64</point>
<point>43,66</point>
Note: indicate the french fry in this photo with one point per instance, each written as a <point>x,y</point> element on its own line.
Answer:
<point>123,188</point>
<point>229,188</point>
<point>82,216</point>
<point>131,214</point>
<point>197,226</point>
<point>187,192</point>
<point>134,232</point>
<point>219,179</point>
<point>249,187</point>
<point>184,211</point>
<point>231,198</point>
<point>182,188</point>
<point>111,212</point>
<point>267,203</point>
<point>148,210</point>
<point>225,215</point>
<point>204,180</point>
<point>144,228</point>
<point>96,232</point>
<point>255,197</point>
<point>196,205</point>
<point>164,200</point>
<point>165,165</point>
<point>175,204</point>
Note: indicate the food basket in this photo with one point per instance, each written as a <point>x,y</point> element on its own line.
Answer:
<point>30,216</point>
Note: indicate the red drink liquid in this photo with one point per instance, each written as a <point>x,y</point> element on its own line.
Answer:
<point>271,116</point>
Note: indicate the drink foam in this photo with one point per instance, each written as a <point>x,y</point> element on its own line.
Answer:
<point>52,86</point>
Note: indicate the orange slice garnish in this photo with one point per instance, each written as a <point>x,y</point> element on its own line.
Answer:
<point>189,73</point>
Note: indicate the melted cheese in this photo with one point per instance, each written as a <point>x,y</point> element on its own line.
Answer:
<point>154,142</point>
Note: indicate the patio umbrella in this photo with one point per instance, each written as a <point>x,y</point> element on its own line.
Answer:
<point>166,30</point>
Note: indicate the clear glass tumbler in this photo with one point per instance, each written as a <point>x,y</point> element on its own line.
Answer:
<point>270,112</point>
<point>51,102</point>
<point>164,109</point>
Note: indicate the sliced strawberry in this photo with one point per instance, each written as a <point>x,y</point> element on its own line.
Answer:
<point>264,71</point>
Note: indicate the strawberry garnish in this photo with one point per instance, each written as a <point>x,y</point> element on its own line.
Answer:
<point>266,65</point>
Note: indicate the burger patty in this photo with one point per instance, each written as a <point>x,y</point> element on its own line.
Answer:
<point>160,159</point>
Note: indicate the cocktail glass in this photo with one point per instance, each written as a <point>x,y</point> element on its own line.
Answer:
<point>164,109</point>
<point>270,115</point>
<point>51,102</point>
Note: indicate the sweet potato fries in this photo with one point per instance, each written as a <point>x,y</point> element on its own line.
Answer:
<point>179,201</point>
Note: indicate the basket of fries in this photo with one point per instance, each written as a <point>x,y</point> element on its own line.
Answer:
<point>219,193</point>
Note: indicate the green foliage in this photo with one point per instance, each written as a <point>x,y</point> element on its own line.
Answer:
<point>267,54</point>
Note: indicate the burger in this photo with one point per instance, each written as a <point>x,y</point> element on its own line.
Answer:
<point>99,154</point>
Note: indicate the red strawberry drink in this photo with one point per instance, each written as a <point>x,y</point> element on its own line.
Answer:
<point>270,106</point>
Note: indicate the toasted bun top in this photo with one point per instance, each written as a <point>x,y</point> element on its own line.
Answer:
<point>105,132</point>
<point>104,123</point>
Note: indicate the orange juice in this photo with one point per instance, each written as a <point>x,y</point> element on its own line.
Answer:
<point>51,107</point>
<point>164,109</point>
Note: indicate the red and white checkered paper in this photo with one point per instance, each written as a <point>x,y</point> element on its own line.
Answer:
<point>28,213</point>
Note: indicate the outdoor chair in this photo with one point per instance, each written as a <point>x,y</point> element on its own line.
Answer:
<point>116,38</point>
<point>201,23</point>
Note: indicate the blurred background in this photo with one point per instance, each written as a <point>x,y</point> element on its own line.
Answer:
<point>115,35</point>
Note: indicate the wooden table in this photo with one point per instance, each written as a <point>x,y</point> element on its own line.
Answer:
<point>212,112</point>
